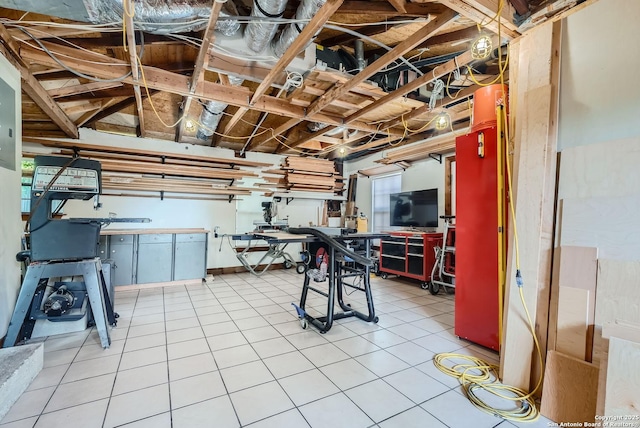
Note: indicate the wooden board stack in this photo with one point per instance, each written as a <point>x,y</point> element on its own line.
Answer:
<point>310,174</point>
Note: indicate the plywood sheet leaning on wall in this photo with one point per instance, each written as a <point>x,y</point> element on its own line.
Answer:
<point>570,389</point>
<point>534,184</point>
<point>623,380</point>
<point>572,304</point>
<point>573,322</point>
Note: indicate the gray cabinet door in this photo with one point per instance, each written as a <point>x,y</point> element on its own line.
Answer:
<point>121,252</point>
<point>155,258</point>
<point>190,256</point>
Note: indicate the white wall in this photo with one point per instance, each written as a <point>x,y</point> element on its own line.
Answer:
<point>10,222</point>
<point>599,130</point>
<point>599,94</point>
<point>424,174</point>
<point>231,218</point>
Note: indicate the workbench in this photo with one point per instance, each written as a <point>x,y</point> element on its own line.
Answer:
<point>342,264</point>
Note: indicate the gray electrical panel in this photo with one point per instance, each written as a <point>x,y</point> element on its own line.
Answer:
<point>7,126</point>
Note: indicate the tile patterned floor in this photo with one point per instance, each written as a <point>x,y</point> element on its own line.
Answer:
<point>231,353</point>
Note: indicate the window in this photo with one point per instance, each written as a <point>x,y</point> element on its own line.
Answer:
<point>381,188</point>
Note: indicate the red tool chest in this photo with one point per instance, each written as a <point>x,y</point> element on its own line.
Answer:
<point>409,254</point>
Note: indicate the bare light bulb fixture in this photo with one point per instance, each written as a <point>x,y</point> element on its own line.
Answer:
<point>189,125</point>
<point>481,47</point>
<point>342,151</point>
<point>442,122</point>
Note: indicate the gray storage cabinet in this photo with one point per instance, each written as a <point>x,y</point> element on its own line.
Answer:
<point>155,258</point>
<point>188,262</point>
<point>121,251</point>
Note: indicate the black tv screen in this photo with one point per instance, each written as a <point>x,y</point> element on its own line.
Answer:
<point>415,209</point>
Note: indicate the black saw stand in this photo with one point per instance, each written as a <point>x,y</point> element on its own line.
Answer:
<point>63,248</point>
<point>343,263</point>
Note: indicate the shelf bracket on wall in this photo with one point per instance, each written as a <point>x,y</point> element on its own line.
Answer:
<point>162,195</point>
<point>289,200</point>
<point>231,198</point>
<point>436,156</point>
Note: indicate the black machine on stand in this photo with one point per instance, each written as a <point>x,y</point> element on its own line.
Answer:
<point>60,248</point>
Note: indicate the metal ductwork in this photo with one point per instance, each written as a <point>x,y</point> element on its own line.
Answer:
<point>359,54</point>
<point>164,16</point>
<point>212,113</point>
<point>306,11</point>
<point>257,33</point>
<point>153,16</point>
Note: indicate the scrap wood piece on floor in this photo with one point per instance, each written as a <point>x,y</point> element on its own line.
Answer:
<point>570,389</point>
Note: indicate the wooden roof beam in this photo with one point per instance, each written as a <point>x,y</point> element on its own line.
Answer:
<point>399,5</point>
<point>163,80</point>
<point>482,12</point>
<point>200,64</point>
<point>340,90</point>
<point>91,114</point>
<point>439,71</point>
<point>384,8</point>
<point>33,88</point>
<point>416,38</point>
<point>67,91</point>
<point>454,36</point>
<point>307,34</point>
<point>368,30</point>
<point>133,59</point>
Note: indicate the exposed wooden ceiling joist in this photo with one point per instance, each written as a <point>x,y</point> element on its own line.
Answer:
<point>436,73</point>
<point>33,88</point>
<point>340,90</point>
<point>200,64</point>
<point>368,30</point>
<point>303,39</point>
<point>163,80</point>
<point>82,88</point>
<point>482,12</point>
<point>418,37</point>
<point>384,8</point>
<point>454,36</point>
<point>399,5</point>
<point>133,59</point>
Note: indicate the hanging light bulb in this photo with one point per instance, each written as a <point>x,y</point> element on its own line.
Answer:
<point>442,122</point>
<point>342,151</point>
<point>189,125</point>
<point>481,47</point>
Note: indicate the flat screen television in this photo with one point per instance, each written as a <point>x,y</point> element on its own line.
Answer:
<point>415,209</point>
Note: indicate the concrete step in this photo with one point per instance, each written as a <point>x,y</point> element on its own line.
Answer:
<point>18,367</point>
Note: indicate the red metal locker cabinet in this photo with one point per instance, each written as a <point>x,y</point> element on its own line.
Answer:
<point>477,260</point>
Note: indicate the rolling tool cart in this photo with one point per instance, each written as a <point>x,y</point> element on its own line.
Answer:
<point>443,273</point>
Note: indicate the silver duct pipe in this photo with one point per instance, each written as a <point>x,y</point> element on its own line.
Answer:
<point>212,113</point>
<point>359,51</point>
<point>258,34</point>
<point>306,11</point>
<point>165,16</point>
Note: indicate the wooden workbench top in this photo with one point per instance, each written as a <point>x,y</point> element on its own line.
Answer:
<point>109,231</point>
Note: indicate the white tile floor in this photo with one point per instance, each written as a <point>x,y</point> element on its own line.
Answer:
<point>232,353</point>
